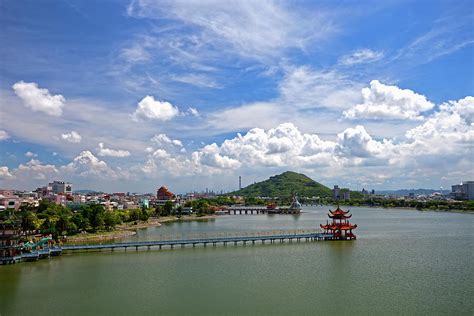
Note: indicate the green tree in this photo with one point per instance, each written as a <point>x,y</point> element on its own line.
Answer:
<point>202,206</point>
<point>168,207</point>
<point>144,214</point>
<point>97,222</point>
<point>29,221</point>
<point>49,226</point>
<point>95,214</point>
<point>81,222</point>
<point>179,211</point>
<point>158,211</point>
<point>134,215</point>
<point>43,205</point>
<point>110,220</point>
<point>64,225</point>
<point>123,216</point>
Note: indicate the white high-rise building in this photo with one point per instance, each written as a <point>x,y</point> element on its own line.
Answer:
<point>336,195</point>
<point>61,187</point>
<point>463,191</point>
<point>468,188</point>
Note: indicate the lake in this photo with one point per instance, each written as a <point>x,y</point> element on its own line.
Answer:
<point>403,262</point>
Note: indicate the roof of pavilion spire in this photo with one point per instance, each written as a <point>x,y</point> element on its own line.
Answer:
<point>338,213</point>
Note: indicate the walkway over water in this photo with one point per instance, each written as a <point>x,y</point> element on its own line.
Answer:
<point>214,241</point>
<point>204,241</point>
<point>251,210</point>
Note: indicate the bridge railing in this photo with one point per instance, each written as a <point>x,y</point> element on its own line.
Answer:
<point>237,234</point>
<point>227,234</point>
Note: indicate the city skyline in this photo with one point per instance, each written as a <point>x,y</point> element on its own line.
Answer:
<point>130,95</point>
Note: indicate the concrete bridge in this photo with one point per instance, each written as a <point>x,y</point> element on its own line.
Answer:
<point>259,210</point>
<point>170,244</point>
<point>203,241</point>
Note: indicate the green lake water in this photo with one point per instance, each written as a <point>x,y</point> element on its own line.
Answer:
<point>404,262</point>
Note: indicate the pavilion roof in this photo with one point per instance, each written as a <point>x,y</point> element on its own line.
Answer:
<point>340,216</point>
<point>337,226</point>
<point>338,211</point>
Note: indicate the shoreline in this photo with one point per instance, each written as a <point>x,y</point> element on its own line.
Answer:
<point>404,208</point>
<point>130,229</point>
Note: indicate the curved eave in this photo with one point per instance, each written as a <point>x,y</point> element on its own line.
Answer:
<point>337,227</point>
<point>338,210</point>
<point>348,227</point>
<point>339,216</point>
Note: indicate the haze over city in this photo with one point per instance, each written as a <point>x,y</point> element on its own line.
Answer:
<point>130,95</point>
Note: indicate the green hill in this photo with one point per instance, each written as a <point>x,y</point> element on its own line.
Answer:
<point>283,185</point>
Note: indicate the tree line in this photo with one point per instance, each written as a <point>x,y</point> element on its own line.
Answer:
<point>419,205</point>
<point>58,220</point>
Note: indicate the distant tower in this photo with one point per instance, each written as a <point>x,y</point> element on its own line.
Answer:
<point>240,182</point>
<point>336,193</point>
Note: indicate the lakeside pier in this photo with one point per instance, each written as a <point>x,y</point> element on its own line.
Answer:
<point>259,210</point>
<point>170,244</point>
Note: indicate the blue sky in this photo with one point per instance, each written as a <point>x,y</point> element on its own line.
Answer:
<point>130,95</point>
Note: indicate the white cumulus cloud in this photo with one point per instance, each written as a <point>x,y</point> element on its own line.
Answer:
<point>88,165</point>
<point>163,139</point>
<point>284,145</point>
<point>440,146</point>
<point>34,169</point>
<point>30,154</point>
<point>449,131</point>
<point>72,137</point>
<point>356,142</point>
<point>389,102</point>
<point>210,156</point>
<point>5,173</point>
<point>4,135</point>
<point>161,161</point>
<point>39,100</point>
<point>150,109</point>
<point>102,151</point>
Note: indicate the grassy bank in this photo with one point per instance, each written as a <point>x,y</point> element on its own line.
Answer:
<point>129,229</point>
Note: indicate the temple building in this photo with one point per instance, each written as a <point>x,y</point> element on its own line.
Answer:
<point>340,227</point>
<point>164,194</point>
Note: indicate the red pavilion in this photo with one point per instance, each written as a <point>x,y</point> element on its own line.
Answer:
<point>340,227</point>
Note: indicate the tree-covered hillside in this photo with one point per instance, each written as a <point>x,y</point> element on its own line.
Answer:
<point>283,185</point>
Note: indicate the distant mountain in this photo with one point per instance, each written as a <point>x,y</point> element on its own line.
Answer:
<point>406,192</point>
<point>84,191</point>
<point>283,185</point>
